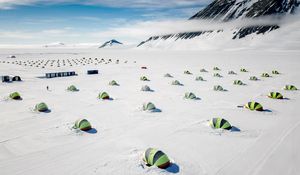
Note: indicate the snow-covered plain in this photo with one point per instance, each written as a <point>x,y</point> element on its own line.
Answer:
<point>39,143</point>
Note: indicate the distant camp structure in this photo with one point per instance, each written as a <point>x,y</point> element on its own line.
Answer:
<point>199,78</point>
<point>83,125</point>
<point>144,78</point>
<point>220,123</point>
<point>265,75</point>
<point>253,78</point>
<point>254,106</point>
<point>113,83</point>
<point>176,82</point>
<point>216,69</point>
<point>187,72</point>
<point>149,106</point>
<point>238,82</point>
<point>167,75</point>
<point>218,88</point>
<point>72,88</point>
<point>190,95</point>
<point>60,74</point>
<point>231,72</point>
<point>145,88</point>
<point>275,95</point>
<point>92,72</point>
<point>16,78</point>
<point>104,96</point>
<point>275,72</point>
<point>243,70</point>
<point>203,70</point>
<point>217,75</point>
<point>5,79</point>
<point>155,157</point>
<point>290,88</point>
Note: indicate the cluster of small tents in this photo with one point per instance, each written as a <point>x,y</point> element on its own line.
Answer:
<point>152,156</point>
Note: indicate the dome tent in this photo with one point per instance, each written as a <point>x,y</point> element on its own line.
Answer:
<point>190,95</point>
<point>41,107</point>
<point>290,88</point>
<point>203,70</point>
<point>156,157</point>
<point>113,83</point>
<point>103,96</point>
<point>275,72</point>
<point>265,75</point>
<point>176,82</point>
<point>253,78</point>
<point>15,96</point>
<point>217,75</point>
<point>187,72</point>
<point>238,82</point>
<point>275,95</point>
<point>145,88</point>
<point>218,88</point>
<point>216,69</point>
<point>199,78</point>
<point>16,78</point>
<point>220,123</point>
<point>254,106</point>
<point>144,78</point>
<point>72,88</point>
<point>231,72</point>
<point>167,75</point>
<point>148,106</point>
<point>243,70</point>
<point>82,124</point>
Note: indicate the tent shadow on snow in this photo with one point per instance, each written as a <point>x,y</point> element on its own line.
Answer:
<point>173,168</point>
<point>92,131</point>
<point>235,129</point>
<point>156,110</point>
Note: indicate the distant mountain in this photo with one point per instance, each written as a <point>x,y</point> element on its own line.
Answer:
<point>111,43</point>
<point>58,44</point>
<point>231,10</point>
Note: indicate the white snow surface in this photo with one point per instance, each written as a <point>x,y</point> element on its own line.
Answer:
<point>43,143</point>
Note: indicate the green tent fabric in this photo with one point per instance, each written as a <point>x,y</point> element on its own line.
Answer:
<point>217,75</point>
<point>238,82</point>
<point>290,88</point>
<point>253,78</point>
<point>113,83</point>
<point>15,96</point>
<point>72,88</point>
<point>265,75</point>
<point>220,123</point>
<point>190,95</point>
<point>203,70</point>
<point>199,78</point>
<point>41,107</point>
<point>103,96</point>
<point>176,82</point>
<point>144,78</point>
<point>148,106</point>
<point>231,73</point>
<point>168,75</point>
<point>187,72</point>
<point>218,88</point>
<point>216,69</point>
<point>254,106</point>
<point>275,72</point>
<point>156,157</point>
<point>275,95</point>
<point>243,70</point>
<point>83,125</point>
<point>145,88</point>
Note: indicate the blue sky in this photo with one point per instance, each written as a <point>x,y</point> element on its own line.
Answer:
<point>87,21</point>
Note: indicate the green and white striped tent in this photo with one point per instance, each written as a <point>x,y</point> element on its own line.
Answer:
<point>203,70</point>
<point>238,82</point>
<point>15,96</point>
<point>275,95</point>
<point>83,125</point>
<point>265,75</point>
<point>187,72</point>
<point>41,107</point>
<point>145,88</point>
<point>217,75</point>
<point>113,83</point>
<point>103,96</point>
<point>190,95</point>
<point>243,70</point>
<point>176,82</point>
<point>72,88</point>
<point>155,157</point>
<point>253,78</point>
<point>218,88</point>
<point>216,69</point>
<point>275,72</point>
<point>149,106</point>
<point>231,72</point>
<point>199,78</point>
<point>254,106</point>
<point>144,78</point>
<point>220,123</point>
<point>290,88</point>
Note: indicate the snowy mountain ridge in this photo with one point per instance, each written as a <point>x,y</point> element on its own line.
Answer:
<point>111,43</point>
